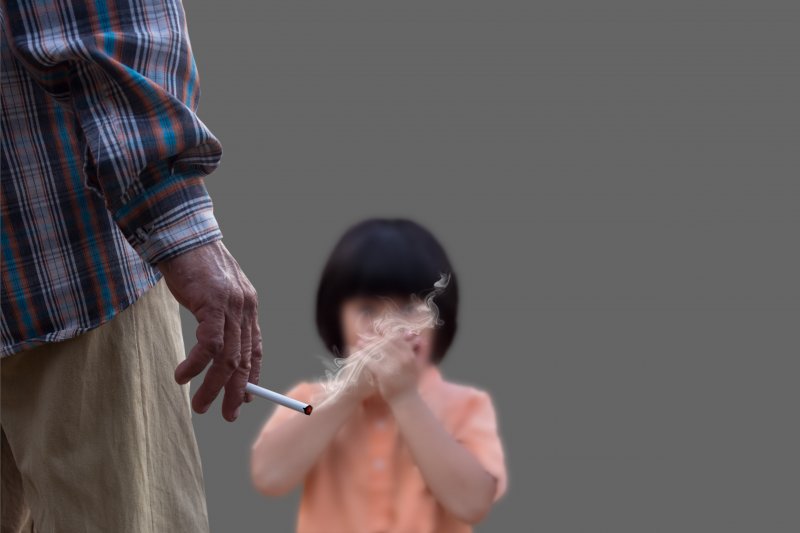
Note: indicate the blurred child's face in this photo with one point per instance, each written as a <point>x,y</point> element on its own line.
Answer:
<point>360,313</point>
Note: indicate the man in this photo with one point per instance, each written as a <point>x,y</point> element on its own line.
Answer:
<point>103,159</point>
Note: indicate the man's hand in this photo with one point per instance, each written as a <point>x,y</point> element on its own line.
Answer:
<point>209,282</point>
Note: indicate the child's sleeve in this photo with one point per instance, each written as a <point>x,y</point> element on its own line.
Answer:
<point>478,434</point>
<point>303,392</point>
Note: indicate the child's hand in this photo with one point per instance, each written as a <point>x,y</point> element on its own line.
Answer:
<point>396,369</point>
<point>359,382</point>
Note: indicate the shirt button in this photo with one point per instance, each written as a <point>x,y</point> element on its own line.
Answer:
<point>378,464</point>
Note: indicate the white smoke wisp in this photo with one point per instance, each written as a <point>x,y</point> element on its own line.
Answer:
<point>417,316</point>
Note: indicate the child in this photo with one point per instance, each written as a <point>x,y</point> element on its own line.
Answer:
<point>398,449</point>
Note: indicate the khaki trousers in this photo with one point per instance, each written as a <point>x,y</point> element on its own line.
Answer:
<point>96,434</point>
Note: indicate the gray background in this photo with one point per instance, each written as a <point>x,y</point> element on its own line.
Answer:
<point>616,184</point>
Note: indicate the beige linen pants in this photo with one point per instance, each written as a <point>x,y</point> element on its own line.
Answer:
<point>96,434</point>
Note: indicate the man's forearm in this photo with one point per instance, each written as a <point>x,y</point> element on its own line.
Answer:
<point>143,147</point>
<point>169,219</point>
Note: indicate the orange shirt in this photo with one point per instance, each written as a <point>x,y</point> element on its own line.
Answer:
<point>366,480</point>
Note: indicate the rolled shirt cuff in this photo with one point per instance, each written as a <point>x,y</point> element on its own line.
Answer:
<point>171,217</point>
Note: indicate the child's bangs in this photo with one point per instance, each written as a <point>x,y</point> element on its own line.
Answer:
<point>390,269</point>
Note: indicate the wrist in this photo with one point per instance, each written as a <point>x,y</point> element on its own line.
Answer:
<point>344,400</point>
<point>403,399</point>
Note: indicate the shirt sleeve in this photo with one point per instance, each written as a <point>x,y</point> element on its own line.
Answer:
<point>478,433</point>
<point>305,392</point>
<point>126,71</point>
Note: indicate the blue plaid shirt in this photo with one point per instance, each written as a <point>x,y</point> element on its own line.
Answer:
<point>103,158</point>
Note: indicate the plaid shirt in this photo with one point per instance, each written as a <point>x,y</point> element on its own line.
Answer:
<point>103,159</point>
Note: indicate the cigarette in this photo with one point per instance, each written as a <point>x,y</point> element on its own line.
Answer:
<point>285,401</point>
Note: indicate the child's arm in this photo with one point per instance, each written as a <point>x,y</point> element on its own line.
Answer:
<point>455,477</point>
<point>287,448</point>
<point>453,474</point>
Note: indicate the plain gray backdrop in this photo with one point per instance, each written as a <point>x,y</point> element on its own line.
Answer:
<point>617,186</point>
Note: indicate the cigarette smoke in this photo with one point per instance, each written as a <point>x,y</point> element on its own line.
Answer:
<point>344,372</point>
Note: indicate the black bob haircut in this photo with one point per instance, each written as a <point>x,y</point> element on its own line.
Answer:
<point>386,257</point>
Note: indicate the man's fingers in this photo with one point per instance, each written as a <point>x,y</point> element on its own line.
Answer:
<point>194,363</point>
<point>210,342</point>
<point>255,354</point>
<point>234,391</point>
<point>247,348</point>
<point>250,311</point>
<point>222,368</point>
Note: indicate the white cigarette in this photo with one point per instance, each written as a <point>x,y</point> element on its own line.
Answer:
<point>285,401</point>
